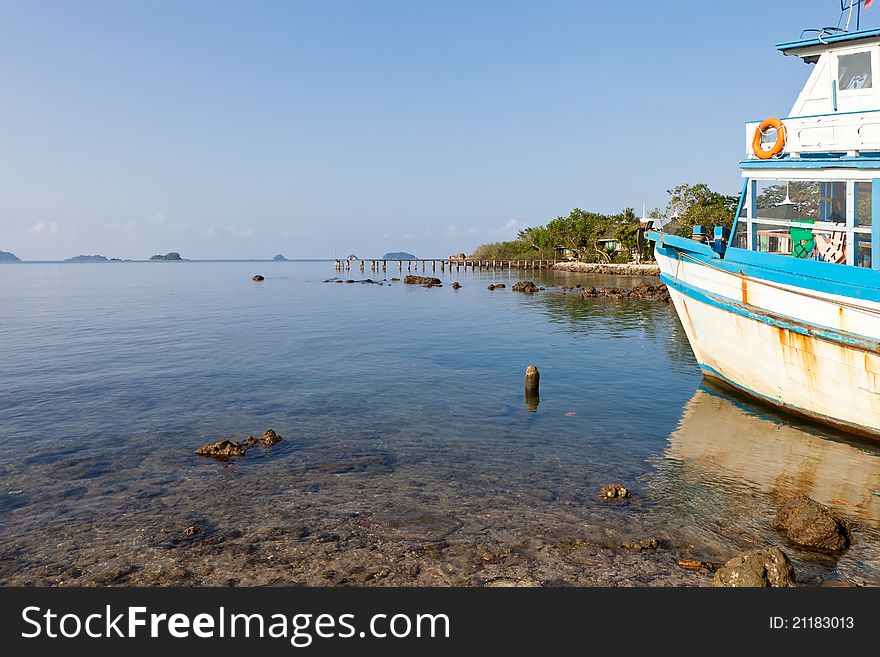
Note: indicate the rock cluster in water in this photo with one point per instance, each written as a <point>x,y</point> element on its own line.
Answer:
<point>225,449</point>
<point>525,286</point>
<point>612,491</point>
<point>640,291</point>
<point>758,568</point>
<point>221,449</point>
<point>366,281</point>
<point>424,281</point>
<point>496,286</point>
<point>613,269</point>
<point>810,524</point>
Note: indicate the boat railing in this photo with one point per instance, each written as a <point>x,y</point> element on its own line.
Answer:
<point>850,17</point>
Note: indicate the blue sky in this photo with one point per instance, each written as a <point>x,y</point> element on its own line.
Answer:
<point>227,130</point>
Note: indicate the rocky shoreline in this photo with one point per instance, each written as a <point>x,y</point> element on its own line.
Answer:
<point>610,269</point>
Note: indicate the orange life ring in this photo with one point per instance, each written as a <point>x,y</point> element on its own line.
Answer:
<point>759,151</point>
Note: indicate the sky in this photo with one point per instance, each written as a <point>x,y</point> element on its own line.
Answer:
<point>316,129</point>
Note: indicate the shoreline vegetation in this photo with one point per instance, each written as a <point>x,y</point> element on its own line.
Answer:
<point>587,236</point>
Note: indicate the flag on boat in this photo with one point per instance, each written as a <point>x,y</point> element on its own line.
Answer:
<point>868,3</point>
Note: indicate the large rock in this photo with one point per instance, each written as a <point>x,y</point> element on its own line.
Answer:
<point>759,568</point>
<point>806,522</point>
<point>222,449</point>
<point>258,277</point>
<point>426,281</point>
<point>524,286</point>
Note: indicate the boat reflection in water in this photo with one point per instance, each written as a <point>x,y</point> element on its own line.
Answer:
<point>721,437</point>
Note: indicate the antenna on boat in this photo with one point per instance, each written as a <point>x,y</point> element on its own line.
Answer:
<point>850,17</point>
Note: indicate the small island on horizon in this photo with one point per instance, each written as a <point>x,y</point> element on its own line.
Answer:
<point>92,258</point>
<point>172,256</point>
<point>6,256</point>
<point>399,255</point>
<point>279,258</point>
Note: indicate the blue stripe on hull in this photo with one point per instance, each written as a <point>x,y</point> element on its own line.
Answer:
<point>826,277</point>
<point>828,334</point>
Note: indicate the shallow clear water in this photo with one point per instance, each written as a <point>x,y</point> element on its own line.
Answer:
<point>409,453</point>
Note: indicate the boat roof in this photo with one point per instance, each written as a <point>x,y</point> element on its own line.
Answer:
<point>827,40</point>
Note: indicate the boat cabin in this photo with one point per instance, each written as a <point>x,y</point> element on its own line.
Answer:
<point>812,179</point>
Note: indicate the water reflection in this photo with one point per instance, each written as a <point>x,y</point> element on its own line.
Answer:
<point>721,436</point>
<point>533,399</point>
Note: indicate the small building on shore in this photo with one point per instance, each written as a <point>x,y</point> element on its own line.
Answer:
<point>565,253</point>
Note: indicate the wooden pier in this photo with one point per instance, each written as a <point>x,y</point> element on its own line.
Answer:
<point>444,264</point>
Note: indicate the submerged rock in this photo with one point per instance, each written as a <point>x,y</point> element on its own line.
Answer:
<point>269,438</point>
<point>221,449</point>
<point>525,286</point>
<point>806,522</point>
<point>654,543</point>
<point>759,568</point>
<point>612,491</point>
<point>456,285</point>
<point>258,277</point>
<point>426,281</point>
<point>641,291</point>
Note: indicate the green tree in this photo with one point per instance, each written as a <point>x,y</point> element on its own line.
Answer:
<point>697,205</point>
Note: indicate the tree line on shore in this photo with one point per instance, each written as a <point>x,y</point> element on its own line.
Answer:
<point>597,237</point>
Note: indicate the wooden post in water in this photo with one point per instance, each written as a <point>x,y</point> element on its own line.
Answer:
<point>532,394</point>
<point>533,379</point>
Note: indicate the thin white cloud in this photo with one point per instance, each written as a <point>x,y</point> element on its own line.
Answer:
<point>43,228</point>
<point>509,228</point>
<point>247,232</point>
<point>211,231</point>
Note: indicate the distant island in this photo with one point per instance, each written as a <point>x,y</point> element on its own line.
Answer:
<point>399,255</point>
<point>88,258</point>
<point>6,256</point>
<point>279,258</point>
<point>168,256</point>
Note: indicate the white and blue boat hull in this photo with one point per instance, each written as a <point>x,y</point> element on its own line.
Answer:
<point>803,347</point>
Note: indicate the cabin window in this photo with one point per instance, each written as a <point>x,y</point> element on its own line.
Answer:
<point>801,218</point>
<point>863,204</point>
<point>854,71</point>
<point>770,238</point>
<point>800,200</point>
<point>863,251</point>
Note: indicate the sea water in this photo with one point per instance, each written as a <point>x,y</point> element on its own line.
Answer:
<point>410,454</point>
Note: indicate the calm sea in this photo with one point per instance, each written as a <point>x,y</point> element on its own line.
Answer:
<point>409,455</point>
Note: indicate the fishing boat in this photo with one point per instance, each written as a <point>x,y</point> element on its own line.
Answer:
<point>785,304</point>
